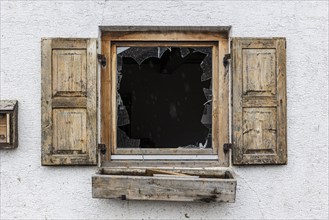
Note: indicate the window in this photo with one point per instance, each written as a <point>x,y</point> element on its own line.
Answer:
<point>166,97</point>
<point>8,124</point>
<point>164,109</point>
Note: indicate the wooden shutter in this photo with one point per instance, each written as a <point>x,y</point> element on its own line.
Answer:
<point>259,101</point>
<point>68,102</point>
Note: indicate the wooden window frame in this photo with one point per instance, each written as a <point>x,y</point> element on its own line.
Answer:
<point>217,38</point>
<point>9,108</point>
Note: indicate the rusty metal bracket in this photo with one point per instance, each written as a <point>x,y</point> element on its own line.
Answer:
<point>227,147</point>
<point>102,148</point>
<point>101,59</point>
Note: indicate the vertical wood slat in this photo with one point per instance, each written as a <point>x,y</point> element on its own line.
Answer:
<point>223,104</point>
<point>106,107</point>
<point>69,101</point>
<point>259,101</point>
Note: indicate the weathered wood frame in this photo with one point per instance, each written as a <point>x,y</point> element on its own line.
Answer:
<point>217,37</point>
<point>139,151</point>
<point>10,108</point>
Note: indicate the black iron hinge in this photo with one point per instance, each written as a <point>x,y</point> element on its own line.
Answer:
<point>101,59</point>
<point>102,148</point>
<point>226,58</point>
<point>227,147</point>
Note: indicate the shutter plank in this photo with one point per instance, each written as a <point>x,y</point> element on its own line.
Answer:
<point>69,68</point>
<point>259,101</point>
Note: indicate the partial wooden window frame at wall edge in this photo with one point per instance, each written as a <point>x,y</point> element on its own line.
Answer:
<point>216,38</point>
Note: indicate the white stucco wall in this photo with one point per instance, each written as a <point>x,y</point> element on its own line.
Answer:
<point>298,190</point>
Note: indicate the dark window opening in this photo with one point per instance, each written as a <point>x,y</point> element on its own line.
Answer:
<point>164,97</point>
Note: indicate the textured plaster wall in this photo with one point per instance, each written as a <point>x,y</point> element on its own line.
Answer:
<point>296,191</point>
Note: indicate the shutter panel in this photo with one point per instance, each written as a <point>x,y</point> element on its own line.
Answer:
<point>68,102</point>
<point>259,101</point>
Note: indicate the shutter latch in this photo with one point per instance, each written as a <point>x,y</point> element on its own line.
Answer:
<point>101,59</point>
<point>227,147</point>
<point>226,58</point>
<point>102,148</point>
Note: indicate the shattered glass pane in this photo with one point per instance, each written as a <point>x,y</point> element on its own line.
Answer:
<point>123,117</point>
<point>164,97</point>
<point>206,63</point>
<point>139,54</point>
<point>184,51</point>
<point>207,93</point>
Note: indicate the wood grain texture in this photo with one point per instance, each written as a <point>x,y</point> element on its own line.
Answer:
<point>69,130</point>
<point>106,107</point>
<point>183,35</point>
<point>139,185</point>
<point>187,169</point>
<point>151,172</point>
<point>223,103</point>
<point>113,94</point>
<point>69,72</point>
<point>4,127</point>
<point>69,101</point>
<point>259,101</point>
<point>8,124</point>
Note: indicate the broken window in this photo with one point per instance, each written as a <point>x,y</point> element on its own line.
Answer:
<point>164,97</point>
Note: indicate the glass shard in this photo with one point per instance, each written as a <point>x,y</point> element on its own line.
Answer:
<point>184,51</point>
<point>207,93</point>
<point>125,141</point>
<point>206,63</point>
<point>123,116</point>
<point>206,116</point>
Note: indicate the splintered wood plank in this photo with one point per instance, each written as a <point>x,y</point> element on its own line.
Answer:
<point>151,172</point>
<point>176,176</point>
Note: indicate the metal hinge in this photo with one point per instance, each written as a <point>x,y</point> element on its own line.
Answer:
<point>102,148</point>
<point>101,59</point>
<point>226,58</point>
<point>227,147</point>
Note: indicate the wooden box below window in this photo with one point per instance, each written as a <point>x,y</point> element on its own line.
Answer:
<point>8,124</point>
<point>179,184</point>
